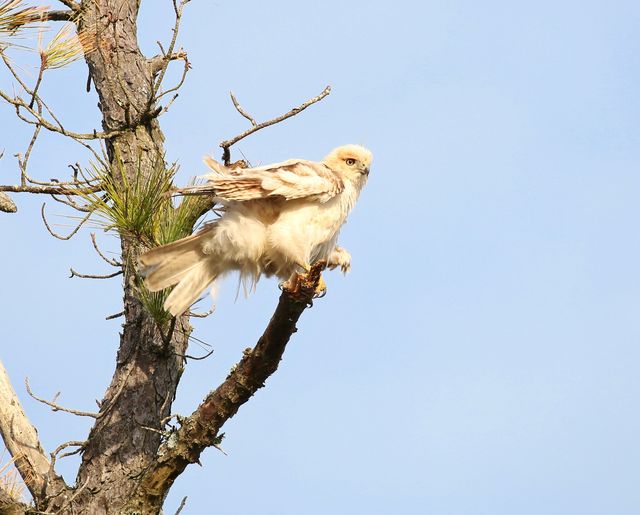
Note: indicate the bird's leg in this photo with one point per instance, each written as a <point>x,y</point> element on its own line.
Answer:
<point>321,289</point>
<point>339,257</point>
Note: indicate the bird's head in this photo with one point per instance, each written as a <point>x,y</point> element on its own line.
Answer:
<point>353,161</point>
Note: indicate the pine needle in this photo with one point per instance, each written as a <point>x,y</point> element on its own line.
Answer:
<point>15,16</point>
<point>66,47</point>
<point>10,481</point>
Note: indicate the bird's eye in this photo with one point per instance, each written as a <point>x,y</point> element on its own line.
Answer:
<point>350,161</point>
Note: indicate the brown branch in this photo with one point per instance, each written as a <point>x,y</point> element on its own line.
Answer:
<point>18,103</point>
<point>225,145</point>
<point>200,358</point>
<point>57,407</point>
<point>242,111</point>
<point>58,15</point>
<point>182,503</point>
<point>201,429</point>
<point>94,276</point>
<point>21,439</point>
<point>55,234</point>
<point>71,4</point>
<point>178,7</point>
<point>158,61</point>
<point>51,189</point>
<point>110,261</point>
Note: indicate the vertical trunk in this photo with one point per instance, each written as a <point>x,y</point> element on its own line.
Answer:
<point>148,368</point>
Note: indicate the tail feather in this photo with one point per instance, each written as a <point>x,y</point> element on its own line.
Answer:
<point>184,263</point>
<point>159,255</point>
<point>172,271</point>
<point>191,285</point>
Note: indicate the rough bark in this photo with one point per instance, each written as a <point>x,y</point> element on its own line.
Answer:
<point>120,445</point>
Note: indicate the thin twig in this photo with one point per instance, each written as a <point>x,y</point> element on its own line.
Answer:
<point>50,190</point>
<point>225,145</point>
<point>55,234</point>
<point>110,261</point>
<point>94,276</point>
<point>178,7</point>
<point>71,4</point>
<point>57,407</point>
<point>114,316</point>
<point>202,315</point>
<point>75,443</point>
<point>76,494</point>
<point>242,111</point>
<point>69,202</point>
<point>187,356</point>
<point>18,103</point>
<point>182,503</point>
<point>185,70</point>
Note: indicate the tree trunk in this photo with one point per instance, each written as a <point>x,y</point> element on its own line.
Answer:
<point>122,443</point>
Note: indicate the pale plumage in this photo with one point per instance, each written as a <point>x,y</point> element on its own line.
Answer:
<point>278,220</point>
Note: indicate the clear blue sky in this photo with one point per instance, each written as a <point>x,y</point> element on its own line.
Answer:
<point>482,356</point>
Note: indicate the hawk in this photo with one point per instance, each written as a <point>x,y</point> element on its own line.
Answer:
<point>278,220</point>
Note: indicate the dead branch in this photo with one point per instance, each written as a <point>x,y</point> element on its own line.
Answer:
<point>114,316</point>
<point>178,7</point>
<point>202,315</point>
<point>69,202</point>
<point>50,190</point>
<point>19,104</point>
<point>58,15</point>
<point>182,503</point>
<point>201,429</point>
<point>71,499</point>
<point>200,358</point>
<point>57,407</point>
<point>21,439</point>
<point>110,261</point>
<point>94,276</point>
<point>55,234</point>
<point>74,6</point>
<point>242,111</point>
<point>54,455</point>
<point>157,61</point>
<point>225,145</point>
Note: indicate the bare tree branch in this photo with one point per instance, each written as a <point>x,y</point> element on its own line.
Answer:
<point>242,111</point>
<point>178,7</point>
<point>226,154</point>
<point>201,429</point>
<point>94,276</point>
<point>110,261</point>
<point>19,103</point>
<point>157,61</point>
<point>57,407</point>
<point>50,190</point>
<point>55,234</point>
<point>21,439</point>
<point>58,15</point>
<point>71,4</point>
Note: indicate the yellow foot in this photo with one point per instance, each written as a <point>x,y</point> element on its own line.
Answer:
<point>321,289</point>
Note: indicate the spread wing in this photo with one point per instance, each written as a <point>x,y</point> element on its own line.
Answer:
<point>293,179</point>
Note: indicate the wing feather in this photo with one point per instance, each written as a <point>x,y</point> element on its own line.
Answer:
<point>292,179</point>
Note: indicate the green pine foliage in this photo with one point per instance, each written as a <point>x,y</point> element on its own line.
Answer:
<point>142,209</point>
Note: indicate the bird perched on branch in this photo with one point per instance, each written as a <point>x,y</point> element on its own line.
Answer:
<point>278,220</point>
